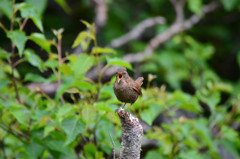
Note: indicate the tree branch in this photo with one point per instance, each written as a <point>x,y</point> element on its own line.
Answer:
<point>22,137</point>
<point>49,88</point>
<point>136,32</point>
<point>178,6</point>
<point>175,28</point>
<point>132,133</point>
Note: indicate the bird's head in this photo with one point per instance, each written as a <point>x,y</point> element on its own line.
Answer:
<point>121,74</point>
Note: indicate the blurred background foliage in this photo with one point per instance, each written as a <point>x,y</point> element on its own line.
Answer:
<point>49,108</point>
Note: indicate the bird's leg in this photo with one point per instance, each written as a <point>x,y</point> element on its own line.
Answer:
<point>123,106</point>
<point>130,107</point>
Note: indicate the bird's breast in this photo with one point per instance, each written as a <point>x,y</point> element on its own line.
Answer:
<point>125,94</point>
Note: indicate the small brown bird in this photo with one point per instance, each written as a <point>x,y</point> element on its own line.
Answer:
<point>126,89</point>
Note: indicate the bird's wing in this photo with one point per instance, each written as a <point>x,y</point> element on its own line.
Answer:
<point>137,85</point>
<point>139,81</point>
<point>138,89</point>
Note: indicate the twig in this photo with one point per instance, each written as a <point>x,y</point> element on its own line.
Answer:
<point>178,6</point>
<point>136,32</point>
<point>113,145</point>
<point>97,58</point>
<point>13,14</point>
<point>12,56</point>
<point>18,62</point>
<point>17,135</point>
<point>24,23</point>
<point>60,62</point>
<point>3,27</point>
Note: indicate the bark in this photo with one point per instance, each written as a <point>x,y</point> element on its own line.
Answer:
<point>132,133</point>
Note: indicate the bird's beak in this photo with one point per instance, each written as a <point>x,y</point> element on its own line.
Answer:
<point>120,76</point>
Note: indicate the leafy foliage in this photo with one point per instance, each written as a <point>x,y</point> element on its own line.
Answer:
<point>76,122</point>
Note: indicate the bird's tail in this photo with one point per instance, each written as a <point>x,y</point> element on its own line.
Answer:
<point>139,81</point>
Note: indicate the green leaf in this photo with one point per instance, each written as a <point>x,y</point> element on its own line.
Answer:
<point>195,6</point>
<point>47,130</point>
<point>51,63</point>
<point>33,59</point>
<point>106,92</point>
<point>63,87</point>
<point>4,54</point>
<point>6,8</point>
<point>100,50</point>
<point>64,110</point>
<point>81,64</point>
<point>88,25</point>
<point>39,115</point>
<point>4,83</point>
<point>19,115</point>
<point>81,36</point>
<point>230,147</point>
<point>190,154</point>
<point>19,39</point>
<point>40,40</point>
<point>18,111</point>
<point>90,150</point>
<point>57,145</point>
<point>65,69</point>
<point>73,90</point>
<point>34,150</point>
<point>229,4</point>
<point>83,85</point>
<point>72,127</point>
<point>103,106</point>
<point>89,114</point>
<point>229,133</point>
<point>203,132</point>
<point>154,154</point>
<point>35,78</point>
<point>7,69</point>
<point>39,5</point>
<point>148,115</point>
<point>185,101</point>
<point>211,99</point>
<point>29,11</point>
<point>119,62</point>
<point>64,5</point>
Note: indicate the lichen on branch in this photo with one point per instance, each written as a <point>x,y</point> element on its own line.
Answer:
<point>132,133</point>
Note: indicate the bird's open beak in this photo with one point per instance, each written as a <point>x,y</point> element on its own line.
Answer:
<point>120,76</point>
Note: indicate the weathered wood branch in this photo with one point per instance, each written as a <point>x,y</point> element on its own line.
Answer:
<point>137,31</point>
<point>132,133</point>
<point>175,28</point>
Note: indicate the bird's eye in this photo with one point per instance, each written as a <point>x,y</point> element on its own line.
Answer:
<point>124,73</point>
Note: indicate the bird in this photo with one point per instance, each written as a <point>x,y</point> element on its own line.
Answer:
<point>125,88</point>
